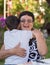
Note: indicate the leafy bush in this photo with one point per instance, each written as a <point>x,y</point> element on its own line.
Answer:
<point>1,6</point>
<point>2,29</point>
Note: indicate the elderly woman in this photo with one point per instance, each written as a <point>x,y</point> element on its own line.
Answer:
<point>37,44</point>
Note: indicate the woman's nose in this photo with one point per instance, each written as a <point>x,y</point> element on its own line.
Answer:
<point>26,21</point>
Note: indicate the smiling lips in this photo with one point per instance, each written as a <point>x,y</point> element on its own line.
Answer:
<point>26,26</point>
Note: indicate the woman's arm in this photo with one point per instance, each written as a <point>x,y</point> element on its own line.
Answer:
<point>41,42</point>
<point>3,47</point>
<point>14,51</point>
<point>4,53</point>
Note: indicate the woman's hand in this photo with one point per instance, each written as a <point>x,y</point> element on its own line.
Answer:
<point>41,42</point>
<point>18,51</point>
<point>10,52</point>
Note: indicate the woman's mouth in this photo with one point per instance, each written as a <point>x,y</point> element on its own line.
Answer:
<point>26,26</point>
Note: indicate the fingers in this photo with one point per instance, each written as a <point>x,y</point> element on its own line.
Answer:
<point>22,52</point>
<point>22,55</point>
<point>19,51</point>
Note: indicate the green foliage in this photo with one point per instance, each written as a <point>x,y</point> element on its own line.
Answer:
<point>47,15</point>
<point>18,8</point>
<point>37,25</point>
<point>1,6</point>
<point>47,11</point>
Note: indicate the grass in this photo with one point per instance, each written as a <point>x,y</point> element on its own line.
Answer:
<point>1,62</point>
<point>47,56</point>
<point>48,44</point>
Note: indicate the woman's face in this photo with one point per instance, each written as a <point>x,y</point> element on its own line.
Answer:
<point>26,22</point>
